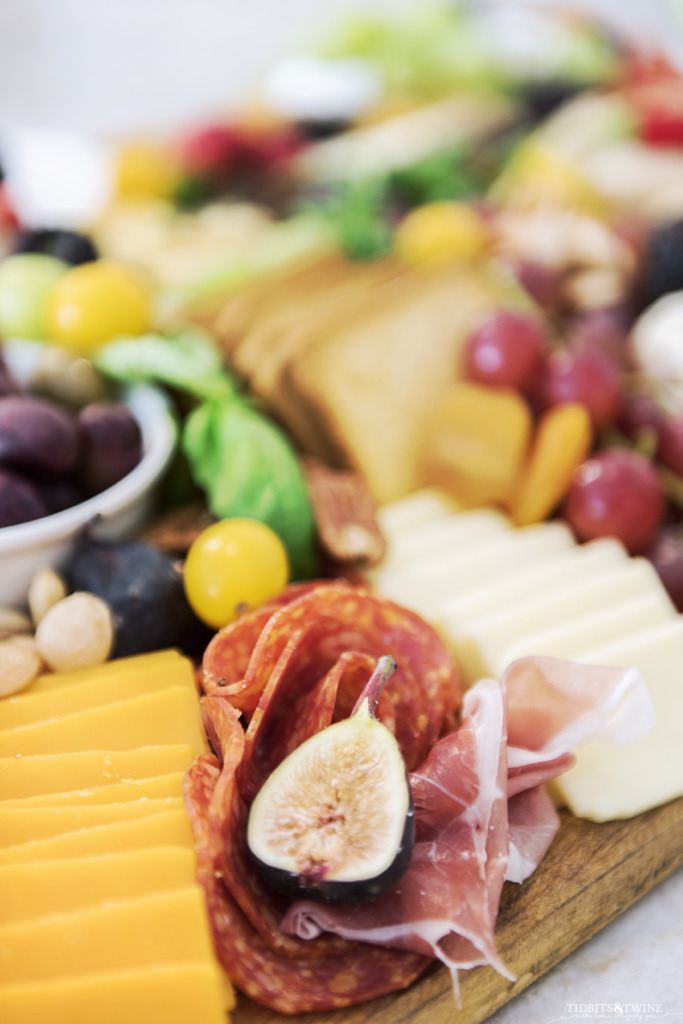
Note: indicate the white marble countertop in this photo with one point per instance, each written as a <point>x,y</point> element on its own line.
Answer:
<point>152,65</point>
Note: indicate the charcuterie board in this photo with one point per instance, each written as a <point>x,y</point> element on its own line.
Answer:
<point>591,874</point>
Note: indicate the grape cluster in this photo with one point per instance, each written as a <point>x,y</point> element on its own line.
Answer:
<point>627,486</point>
<point>53,457</point>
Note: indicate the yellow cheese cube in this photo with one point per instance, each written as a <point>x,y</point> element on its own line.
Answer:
<point>54,773</point>
<point>44,887</point>
<point>121,792</point>
<point>39,705</point>
<point>168,716</point>
<point>184,993</point>
<point>170,828</point>
<point>24,824</point>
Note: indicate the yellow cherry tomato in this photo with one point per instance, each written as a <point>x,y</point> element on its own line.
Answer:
<point>233,566</point>
<point>145,170</point>
<point>94,302</point>
<point>440,233</point>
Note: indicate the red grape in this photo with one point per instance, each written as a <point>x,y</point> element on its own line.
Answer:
<point>506,350</point>
<point>209,152</point>
<point>616,493</point>
<point>666,554</point>
<point>585,375</point>
<point>670,449</point>
<point>640,412</point>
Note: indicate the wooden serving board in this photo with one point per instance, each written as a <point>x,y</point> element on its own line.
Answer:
<point>591,874</point>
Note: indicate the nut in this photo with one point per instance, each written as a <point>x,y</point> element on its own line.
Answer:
<point>345,514</point>
<point>12,622</point>
<point>77,632</point>
<point>20,663</point>
<point>46,589</point>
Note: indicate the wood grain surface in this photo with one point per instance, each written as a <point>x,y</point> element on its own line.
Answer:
<point>591,874</point>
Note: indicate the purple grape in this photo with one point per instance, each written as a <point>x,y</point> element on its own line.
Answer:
<point>111,445</point>
<point>20,501</point>
<point>37,434</point>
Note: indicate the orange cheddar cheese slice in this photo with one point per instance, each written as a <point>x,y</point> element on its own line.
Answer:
<point>39,774</point>
<point>170,828</point>
<point>25,824</point>
<point>44,887</point>
<point>39,705</point>
<point>177,994</point>
<point>137,665</point>
<point>117,792</point>
<point>167,716</point>
<point>158,928</point>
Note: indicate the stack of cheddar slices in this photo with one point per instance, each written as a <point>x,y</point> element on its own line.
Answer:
<point>101,917</point>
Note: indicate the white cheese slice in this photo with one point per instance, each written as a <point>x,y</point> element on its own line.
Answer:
<point>442,535</point>
<point>481,643</point>
<point>425,584</point>
<point>614,781</point>
<point>577,636</point>
<point>425,506</point>
<point>563,569</point>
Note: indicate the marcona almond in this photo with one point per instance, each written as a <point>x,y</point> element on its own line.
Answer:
<point>20,664</point>
<point>12,622</point>
<point>77,632</point>
<point>45,590</point>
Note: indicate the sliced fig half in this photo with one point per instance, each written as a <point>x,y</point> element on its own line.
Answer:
<point>335,820</point>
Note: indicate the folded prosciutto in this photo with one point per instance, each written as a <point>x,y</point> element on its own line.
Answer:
<point>477,769</point>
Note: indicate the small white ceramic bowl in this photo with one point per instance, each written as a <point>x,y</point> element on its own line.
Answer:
<point>114,513</point>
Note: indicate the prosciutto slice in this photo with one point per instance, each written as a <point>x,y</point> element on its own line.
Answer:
<point>482,813</point>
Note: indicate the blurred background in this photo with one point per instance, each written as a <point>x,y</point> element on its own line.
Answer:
<point>75,75</point>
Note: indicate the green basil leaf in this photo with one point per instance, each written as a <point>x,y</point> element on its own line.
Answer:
<point>247,467</point>
<point>189,361</point>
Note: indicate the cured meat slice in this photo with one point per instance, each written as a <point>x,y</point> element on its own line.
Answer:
<point>331,619</point>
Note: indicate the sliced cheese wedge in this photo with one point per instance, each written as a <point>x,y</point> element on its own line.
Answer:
<point>425,585</point>
<point>442,537</point>
<point>428,505</point>
<point>157,928</point>
<point>138,664</point>
<point>572,639</point>
<point>167,716</point>
<point>169,828</point>
<point>38,705</point>
<point>38,774</point>
<point>157,786</point>
<point>44,887</point>
<point>613,781</point>
<point>169,994</point>
<point>565,568</point>
<point>481,645</point>
<point>25,824</point>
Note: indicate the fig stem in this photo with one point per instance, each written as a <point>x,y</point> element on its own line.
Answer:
<point>385,668</point>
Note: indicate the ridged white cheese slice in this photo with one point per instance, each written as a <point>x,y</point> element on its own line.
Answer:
<point>481,643</point>
<point>613,781</point>
<point>425,584</point>
<point>443,535</point>
<point>565,568</point>
<point>575,638</point>
<point>425,506</point>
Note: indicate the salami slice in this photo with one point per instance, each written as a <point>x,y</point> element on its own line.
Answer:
<point>305,976</point>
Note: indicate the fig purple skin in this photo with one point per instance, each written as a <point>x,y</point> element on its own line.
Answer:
<point>20,501</point>
<point>111,445</point>
<point>37,434</point>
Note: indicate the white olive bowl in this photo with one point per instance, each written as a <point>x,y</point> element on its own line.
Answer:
<point>114,513</point>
